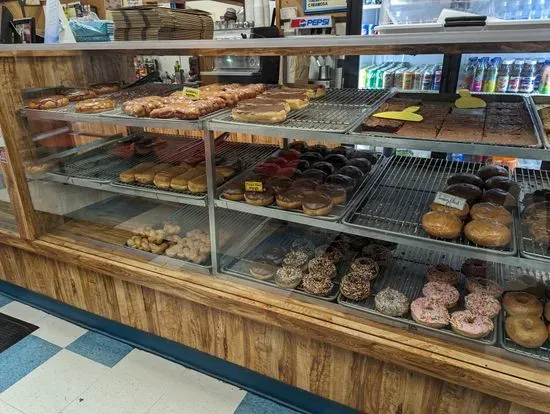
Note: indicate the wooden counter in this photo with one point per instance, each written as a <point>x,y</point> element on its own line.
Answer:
<point>325,349</point>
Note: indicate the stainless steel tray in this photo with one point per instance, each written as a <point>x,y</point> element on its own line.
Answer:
<point>282,235</point>
<point>529,181</point>
<point>407,274</point>
<point>542,353</point>
<point>338,111</point>
<point>451,97</point>
<point>402,192</point>
<point>536,102</point>
<point>337,212</point>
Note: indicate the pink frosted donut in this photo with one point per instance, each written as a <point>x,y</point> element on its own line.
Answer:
<point>467,323</point>
<point>441,273</point>
<point>429,313</point>
<point>479,285</point>
<point>441,292</point>
<point>482,304</point>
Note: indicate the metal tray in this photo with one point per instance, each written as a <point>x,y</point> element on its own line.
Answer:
<point>247,154</point>
<point>451,97</point>
<point>338,111</point>
<point>529,181</point>
<point>536,102</point>
<point>338,211</point>
<point>407,274</point>
<point>402,192</point>
<point>282,235</point>
<point>542,353</point>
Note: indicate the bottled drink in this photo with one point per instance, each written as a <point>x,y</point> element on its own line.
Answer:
<point>545,79</point>
<point>540,66</point>
<point>371,77</point>
<point>490,78</point>
<point>469,73</point>
<point>479,74</point>
<point>388,79</point>
<point>428,78</point>
<point>418,76</point>
<point>398,78</point>
<point>437,78</point>
<point>515,76</point>
<point>408,78</point>
<point>528,76</point>
<point>503,76</point>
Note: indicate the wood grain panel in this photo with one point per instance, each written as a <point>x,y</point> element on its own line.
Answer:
<point>365,383</point>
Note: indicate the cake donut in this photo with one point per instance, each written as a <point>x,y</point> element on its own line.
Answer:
<point>391,302</point>
<point>288,277</point>
<point>482,304</point>
<point>262,269</point>
<point>429,313</point>
<point>317,283</point>
<point>333,253</point>
<point>526,330</point>
<point>304,245</point>
<point>475,268</point>
<point>380,254</point>
<point>471,325</point>
<point>441,273</point>
<point>441,292</point>
<point>355,287</point>
<point>322,266</point>
<point>521,303</point>
<point>297,259</point>
<point>366,267</point>
<point>479,285</point>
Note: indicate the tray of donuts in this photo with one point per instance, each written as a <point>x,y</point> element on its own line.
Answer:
<point>478,208</point>
<point>526,313</point>
<point>433,291</point>
<point>534,213</point>
<point>310,180</point>
<point>306,260</point>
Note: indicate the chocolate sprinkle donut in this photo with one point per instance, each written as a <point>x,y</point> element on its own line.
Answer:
<point>355,287</point>
<point>366,267</point>
<point>317,284</point>
<point>288,277</point>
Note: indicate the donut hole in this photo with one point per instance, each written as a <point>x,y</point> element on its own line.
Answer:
<point>470,319</point>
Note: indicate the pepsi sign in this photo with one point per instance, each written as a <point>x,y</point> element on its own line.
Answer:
<point>317,22</point>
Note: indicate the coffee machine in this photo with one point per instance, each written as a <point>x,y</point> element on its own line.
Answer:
<point>243,69</point>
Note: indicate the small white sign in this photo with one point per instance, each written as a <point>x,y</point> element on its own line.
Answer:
<point>320,6</point>
<point>450,200</point>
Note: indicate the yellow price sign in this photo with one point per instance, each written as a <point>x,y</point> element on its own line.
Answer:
<point>467,101</point>
<point>192,93</point>
<point>253,186</point>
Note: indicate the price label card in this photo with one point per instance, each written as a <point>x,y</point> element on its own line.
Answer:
<point>450,200</point>
<point>192,93</point>
<point>253,186</point>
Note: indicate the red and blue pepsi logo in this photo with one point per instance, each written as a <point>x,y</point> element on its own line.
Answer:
<point>311,22</point>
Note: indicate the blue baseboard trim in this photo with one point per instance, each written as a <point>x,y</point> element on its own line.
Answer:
<point>254,382</point>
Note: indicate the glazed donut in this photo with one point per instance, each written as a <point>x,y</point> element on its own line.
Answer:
<point>547,311</point>
<point>528,331</point>
<point>442,225</point>
<point>429,313</point>
<point>491,211</point>
<point>391,302</point>
<point>355,287</point>
<point>474,268</point>
<point>441,292</point>
<point>461,214</point>
<point>441,273</point>
<point>482,304</point>
<point>471,325</point>
<point>366,267</point>
<point>479,285</point>
<point>380,254</point>
<point>487,233</point>
<point>521,303</point>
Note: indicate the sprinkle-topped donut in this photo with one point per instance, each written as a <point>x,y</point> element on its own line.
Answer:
<point>391,302</point>
<point>429,313</point>
<point>482,304</point>
<point>366,267</point>
<point>471,325</point>
<point>479,285</point>
<point>441,292</point>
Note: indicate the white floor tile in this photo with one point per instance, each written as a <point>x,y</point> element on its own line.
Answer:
<point>58,331</point>
<point>25,313</point>
<point>199,394</point>
<point>116,394</point>
<point>8,409</point>
<point>53,385</point>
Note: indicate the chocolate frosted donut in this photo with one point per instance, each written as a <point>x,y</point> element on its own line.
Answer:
<point>336,192</point>
<point>391,302</point>
<point>362,163</point>
<point>304,183</point>
<point>324,166</point>
<point>366,267</point>
<point>311,157</point>
<point>322,266</point>
<point>470,192</point>
<point>290,199</point>
<point>279,184</point>
<point>300,165</point>
<point>371,156</point>
<point>488,171</point>
<point>467,179</point>
<point>262,270</point>
<point>274,254</point>
<point>317,284</point>
<point>338,160</point>
<point>441,273</point>
<point>288,277</point>
<point>352,172</point>
<point>380,254</point>
<point>474,268</point>
<point>355,287</point>
<point>260,198</point>
<point>346,152</point>
<point>343,180</point>
<point>503,183</point>
<point>500,197</point>
<point>315,174</point>
<point>234,191</point>
<point>332,253</point>
<point>317,204</point>
<point>319,148</point>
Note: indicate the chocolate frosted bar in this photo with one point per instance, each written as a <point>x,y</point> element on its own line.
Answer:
<point>374,124</point>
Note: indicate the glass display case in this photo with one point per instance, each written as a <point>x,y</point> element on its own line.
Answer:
<point>297,191</point>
